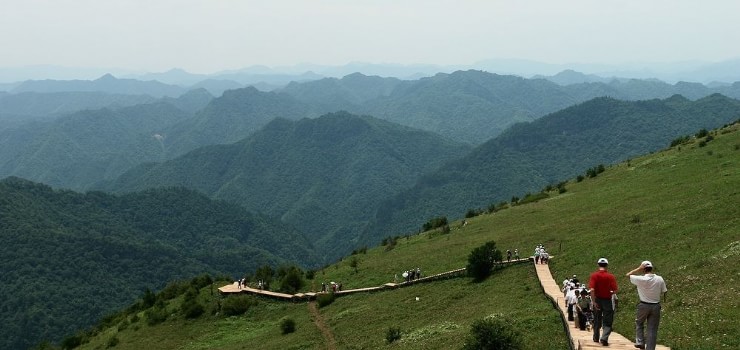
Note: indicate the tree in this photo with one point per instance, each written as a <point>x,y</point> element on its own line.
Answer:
<point>482,259</point>
<point>291,279</point>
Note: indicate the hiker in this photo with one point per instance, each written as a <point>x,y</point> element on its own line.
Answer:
<point>418,273</point>
<point>544,257</point>
<point>537,255</point>
<point>583,310</point>
<point>508,255</point>
<point>516,254</point>
<point>650,287</point>
<point>323,287</point>
<point>602,285</point>
<point>239,284</point>
<point>571,299</point>
<point>574,279</point>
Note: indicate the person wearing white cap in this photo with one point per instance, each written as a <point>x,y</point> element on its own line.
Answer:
<point>650,287</point>
<point>603,286</point>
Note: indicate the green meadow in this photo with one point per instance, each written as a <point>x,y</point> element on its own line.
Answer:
<point>679,208</point>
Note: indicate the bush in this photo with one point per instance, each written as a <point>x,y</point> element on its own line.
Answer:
<point>434,223</point>
<point>324,299</point>
<point>291,279</point>
<point>481,260</point>
<point>192,308</point>
<point>680,140</point>
<point>392,334</point>
<point>493,334</point>
<point>702,133</point>
<point>113,341</point>
<point>471,213</point>
<point>287,325</point>
<point>156,314</point>
<point>236,305</point>
<point>580,178</point>
<point>72,341</point>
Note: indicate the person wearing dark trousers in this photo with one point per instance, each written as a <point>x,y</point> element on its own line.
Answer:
<point>650,287</point>
<point>602,285</point>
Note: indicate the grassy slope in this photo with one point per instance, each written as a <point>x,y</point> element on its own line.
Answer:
<point>677,208</point>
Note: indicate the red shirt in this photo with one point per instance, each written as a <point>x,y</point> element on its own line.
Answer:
<point>603,284</point>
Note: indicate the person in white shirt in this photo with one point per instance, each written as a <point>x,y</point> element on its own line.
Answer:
<point>650,288</point>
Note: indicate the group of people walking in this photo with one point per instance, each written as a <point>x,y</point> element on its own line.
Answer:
<point>540,255</point>
<point>508,254</point>
<point>599,300</point>
<point>409,275</point>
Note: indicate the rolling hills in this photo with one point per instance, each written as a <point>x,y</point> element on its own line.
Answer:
<point>676,207</point>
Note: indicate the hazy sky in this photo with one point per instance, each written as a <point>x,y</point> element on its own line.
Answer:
<point>208,35</point>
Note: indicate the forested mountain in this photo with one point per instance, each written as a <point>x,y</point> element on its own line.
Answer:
<point>232,117</point>
<point>529,156</point>
<point>324,176</point>
<point>80,149</point>
<point>347,93</point>
<point>106,83</point>
<point>70,258</point>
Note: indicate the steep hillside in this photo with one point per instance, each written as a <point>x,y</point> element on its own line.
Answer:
<point>70,258</point>
<point>321,175</point>
<point>677,208</point>
<point>529,156</point>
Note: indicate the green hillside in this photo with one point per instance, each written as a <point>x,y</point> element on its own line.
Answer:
<point>529,156</point>
<point>69,258</point>
<point>677,208</point>
<point>323,176</point>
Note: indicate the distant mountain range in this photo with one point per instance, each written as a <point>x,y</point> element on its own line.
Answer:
<point>691,71</point>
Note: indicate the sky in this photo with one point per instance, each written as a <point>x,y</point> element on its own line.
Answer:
<point>205,36</point>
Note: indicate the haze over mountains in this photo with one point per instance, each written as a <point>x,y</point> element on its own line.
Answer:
<point>307,172</point>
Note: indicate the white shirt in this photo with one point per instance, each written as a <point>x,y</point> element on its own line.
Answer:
<point>649,287</point>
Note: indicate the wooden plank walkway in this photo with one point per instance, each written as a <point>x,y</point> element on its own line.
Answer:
<point>581,340</point>
<point>234,287</point>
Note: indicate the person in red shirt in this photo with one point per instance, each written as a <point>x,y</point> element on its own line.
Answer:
<point>602,285</point>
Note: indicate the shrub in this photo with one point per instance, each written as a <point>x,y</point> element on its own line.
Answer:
<point>236,305</point>
<point>72,341</point>
<point>473,213</point>
<point>324,299</point>
<point>481,260</point>
<point>113,341</point>
<point>493,334</point>
<point>702,133</point>
<point>191,308</point>
<point>392,334</point>
<point>287,325</point>
<point>680,140</point>
<point>702,143</point>
<point>310,274</point>
<point>579,178</point>
<point>156,315</point>
<point>434,223</point>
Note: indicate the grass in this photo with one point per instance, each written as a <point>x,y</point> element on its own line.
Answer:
<point>679,208</point>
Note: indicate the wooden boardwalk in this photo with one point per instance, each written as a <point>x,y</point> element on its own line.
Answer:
<point>580,340</point>
<point>234,287</point>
